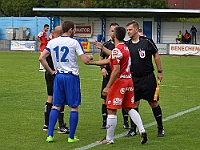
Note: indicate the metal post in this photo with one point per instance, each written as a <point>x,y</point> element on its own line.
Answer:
<point>158,29</point>
<point>103,29</point>
<point>52,22</point>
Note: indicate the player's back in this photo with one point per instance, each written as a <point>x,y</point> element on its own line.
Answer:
<point>63,51</point>
<point>122,53</point>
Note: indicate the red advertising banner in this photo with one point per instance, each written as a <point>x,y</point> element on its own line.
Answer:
<point>83,30</point>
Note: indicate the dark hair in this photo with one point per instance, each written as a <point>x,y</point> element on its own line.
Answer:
<point>114,24</point>
<point>120,33</point>
<point>134,23</point>
<point>67,25</point>
<point>46,25</point>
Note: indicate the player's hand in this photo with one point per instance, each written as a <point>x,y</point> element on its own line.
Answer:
<point>104,72</point>
<point>98,45</point>
<point>160,76</point>
<point>105,91</point>
<point>91,57</point>
<point>53,72</point>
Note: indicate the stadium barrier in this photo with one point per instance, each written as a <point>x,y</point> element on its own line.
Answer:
<point>163,49</point>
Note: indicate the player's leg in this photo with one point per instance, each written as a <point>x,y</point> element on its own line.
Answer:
<point>137,97</point>
<point>128,104</point>
<point>62,125</point>
<point>112,106</point>
<point>52,122</point>
<point>103,107</point>
<point>125,117</point>
<point>41,67</point>
<point>132,131</point>
<point>111,124</point>
<point>135,117</point>
<point>73,99</point>
<point>48,104</point>
<point>156,109</point>
<point>58,101</point>
<point>104,114</point>
<point>73,122</point>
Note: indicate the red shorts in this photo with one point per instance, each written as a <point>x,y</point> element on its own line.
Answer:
<point>42,47</point>
<point>121,94</point>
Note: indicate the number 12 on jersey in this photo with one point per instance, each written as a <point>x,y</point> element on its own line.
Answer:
<point>64,50</point>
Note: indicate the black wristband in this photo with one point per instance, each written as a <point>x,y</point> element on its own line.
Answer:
<point>160,71</point>
<point>102,67</point>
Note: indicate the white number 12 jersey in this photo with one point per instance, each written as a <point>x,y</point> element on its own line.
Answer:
<point>63,52</point>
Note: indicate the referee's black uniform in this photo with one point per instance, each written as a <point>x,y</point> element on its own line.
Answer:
<point>109,45</point>
<point>142,68</point>
<point>143,76</point>
<point>48,77</point>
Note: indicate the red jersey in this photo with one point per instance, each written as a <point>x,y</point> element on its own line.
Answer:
<point>43,38</point>
<point>187,35</point>
<point>51,36</point>
<point>121,56</point>
<point>121,93</point>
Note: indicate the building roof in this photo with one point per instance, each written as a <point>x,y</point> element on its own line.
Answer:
<point>184,4</point>
<point>120,12</point>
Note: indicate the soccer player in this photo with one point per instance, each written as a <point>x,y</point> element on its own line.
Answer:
<point>119,89</point>
<point>67,82</point>
<point>43,40</point>
<point>51,35</point>
<point>141,50</point>
<point>105,71</point>
<point>49,83</point>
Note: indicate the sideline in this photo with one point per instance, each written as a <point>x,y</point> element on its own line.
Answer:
<point>146,126</point>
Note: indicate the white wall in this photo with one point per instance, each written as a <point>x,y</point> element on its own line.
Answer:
<point>96,22</point>
<point>169,30</point>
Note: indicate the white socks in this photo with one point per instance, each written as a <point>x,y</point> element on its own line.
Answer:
<point>111,124</point>
<point>136,119</point>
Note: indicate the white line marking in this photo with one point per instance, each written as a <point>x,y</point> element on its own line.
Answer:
<point>146,126</point>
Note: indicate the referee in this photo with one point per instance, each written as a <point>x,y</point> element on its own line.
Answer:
<point>106,71</point>
<point>49,83</point>
<point>141,50</point>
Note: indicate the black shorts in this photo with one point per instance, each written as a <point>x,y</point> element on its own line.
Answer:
<point>144,87</point>
<point>104,83</point>
<point>49,83</point>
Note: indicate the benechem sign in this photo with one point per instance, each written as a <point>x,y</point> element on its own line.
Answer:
<point>184,49</point>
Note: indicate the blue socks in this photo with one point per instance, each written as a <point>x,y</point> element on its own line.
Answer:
<point>73,122</point>
<point>52,121</point>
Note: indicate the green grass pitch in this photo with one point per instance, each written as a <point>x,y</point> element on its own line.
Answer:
<point>23,95</point>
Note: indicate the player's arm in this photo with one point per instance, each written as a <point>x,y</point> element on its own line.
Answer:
<point>44,63</point>
<point>159,65</point>
<point>100,62</point>
<point>38,38</point>
<point>86,58</point>
<point>113,77</point>
<point>99,45</point>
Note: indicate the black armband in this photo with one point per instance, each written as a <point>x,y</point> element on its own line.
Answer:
<point>160,71</point>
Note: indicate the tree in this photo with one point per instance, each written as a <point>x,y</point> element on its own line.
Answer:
<point>24,7</point>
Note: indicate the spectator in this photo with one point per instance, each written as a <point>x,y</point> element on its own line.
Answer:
<point>179,37</point>
<point>187,37</point>
<point>193,32</point>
